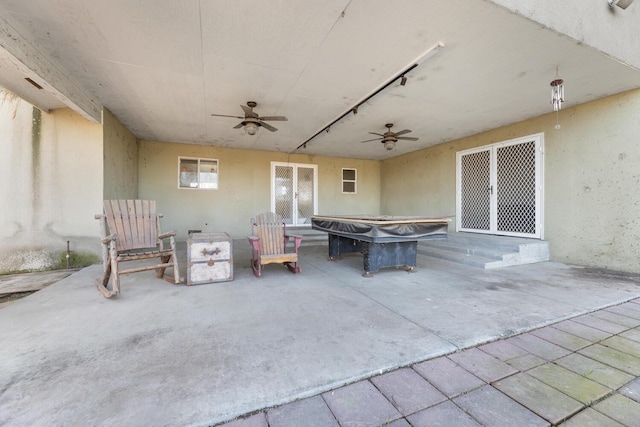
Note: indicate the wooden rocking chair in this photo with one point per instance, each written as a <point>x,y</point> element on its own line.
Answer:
<point>269,243</point>
<point>130,231</point>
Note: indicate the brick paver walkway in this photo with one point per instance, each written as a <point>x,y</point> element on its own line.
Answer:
<point>579,372</point>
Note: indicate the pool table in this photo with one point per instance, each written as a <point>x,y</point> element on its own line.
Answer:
<point>383,241</point>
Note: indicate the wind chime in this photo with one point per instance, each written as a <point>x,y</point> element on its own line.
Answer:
<point>557,96</point>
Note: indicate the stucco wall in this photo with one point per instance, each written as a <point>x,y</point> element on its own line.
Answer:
<point>611,30</point>
<point>120,159</point>
<point>51,170</point>
<point>244,186</point>
<point>591,178</point>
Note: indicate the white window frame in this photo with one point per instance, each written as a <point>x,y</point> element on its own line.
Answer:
<point>354,180</point>
<point>198,160</point>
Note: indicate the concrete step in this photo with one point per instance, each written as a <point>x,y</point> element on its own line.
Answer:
<point>426,251</point>
<point>486,251</point>
<point>310,237</point>
<point>505,243</point>
<point>466,249</point>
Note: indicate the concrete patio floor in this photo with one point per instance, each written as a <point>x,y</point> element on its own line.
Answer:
<point>163,354</point>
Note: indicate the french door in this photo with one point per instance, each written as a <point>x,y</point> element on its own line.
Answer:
<point>294,192</point>
<point>499,188</point>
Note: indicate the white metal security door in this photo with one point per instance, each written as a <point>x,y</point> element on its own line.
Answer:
<point>474,190</point>
<point>499,188</point>
<point>294,189</point>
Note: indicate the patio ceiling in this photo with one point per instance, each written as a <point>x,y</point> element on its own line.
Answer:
<point>163,67</point>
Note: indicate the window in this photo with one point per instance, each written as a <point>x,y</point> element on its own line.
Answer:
<point>349,181</point>
<point>198,173</point>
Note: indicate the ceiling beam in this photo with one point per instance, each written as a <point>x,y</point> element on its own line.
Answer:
<point>18,51</point>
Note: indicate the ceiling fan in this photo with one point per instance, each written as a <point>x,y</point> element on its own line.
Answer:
<point>251,121</point>
<point>389,138</point>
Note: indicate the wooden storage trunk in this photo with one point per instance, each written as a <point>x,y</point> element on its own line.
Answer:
<point>209,258</point>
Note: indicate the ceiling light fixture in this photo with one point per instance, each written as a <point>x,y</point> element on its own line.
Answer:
<point>251,128</point>
<point>622,4</point>
<point>33,83</point>
<point>389,144</point>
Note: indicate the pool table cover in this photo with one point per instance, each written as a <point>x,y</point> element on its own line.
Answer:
<point>382,228</point>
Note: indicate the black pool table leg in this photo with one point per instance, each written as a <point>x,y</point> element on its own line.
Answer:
<point>339,245</point>
<point>370,258</point>
<point>334,247</point>
<point>394,254</point>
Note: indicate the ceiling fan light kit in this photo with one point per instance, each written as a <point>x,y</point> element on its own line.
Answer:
<point>251,121</point>
<point>389,138</point>
<point>251,128</point>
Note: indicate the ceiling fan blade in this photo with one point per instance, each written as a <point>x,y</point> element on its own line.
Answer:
<point>268,127</point>
<point>407,138</point>
<point>402,132</point>
<point>224,115</point>
<point>274,118</point>
<point>379,134</point>
<point>369,140</point>
<point>247,111</point>
<point>239,125</point>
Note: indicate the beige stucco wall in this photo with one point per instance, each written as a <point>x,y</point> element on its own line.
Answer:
<point>120,159</point>
<point>591,180</point>
<point>610,30</point>
<point>244,186</point>
<point>51,174</point>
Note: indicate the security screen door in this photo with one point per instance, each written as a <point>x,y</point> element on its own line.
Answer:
<point>499,188</point>
<point>294,189</point>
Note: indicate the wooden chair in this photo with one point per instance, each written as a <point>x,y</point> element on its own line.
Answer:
<point>269,243</point>
<point>130,231</point>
